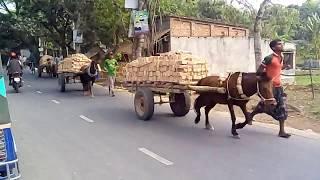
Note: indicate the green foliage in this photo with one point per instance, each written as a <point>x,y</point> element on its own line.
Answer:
<point>313,26</point>
<point>280,22</point>
<point>16,28</point>
<point>112,21</point>
<point>220,10</point>
<point>304,51</point>
<point>180,8</point>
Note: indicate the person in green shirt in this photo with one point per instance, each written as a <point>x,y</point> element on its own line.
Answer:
<point>111,65</point>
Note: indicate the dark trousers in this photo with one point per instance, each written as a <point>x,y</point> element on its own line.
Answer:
<point>279,96</point>
<point>281,110</point>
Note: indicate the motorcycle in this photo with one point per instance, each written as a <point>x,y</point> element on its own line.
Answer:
<point>16,81</point>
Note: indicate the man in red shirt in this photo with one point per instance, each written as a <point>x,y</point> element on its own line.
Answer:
<point>272,65</point>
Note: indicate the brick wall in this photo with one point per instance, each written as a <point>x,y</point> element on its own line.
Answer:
<point>183,27</point>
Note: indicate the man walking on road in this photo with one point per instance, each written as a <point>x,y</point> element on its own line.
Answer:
<point>272,66</point>
<point>110,65</point>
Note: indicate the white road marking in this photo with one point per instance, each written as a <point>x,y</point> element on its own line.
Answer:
<point>29,85</point>
<point>86,119</point>
<point>55,101</point>
<point>39,92</point>
<point>156,157</point>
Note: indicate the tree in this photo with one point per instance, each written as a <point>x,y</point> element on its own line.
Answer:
<point>17,30</point>
<point>57,20</point>
<point>112,21</point>
<point>179,8</point>
<point>220,10</point>
<point>257,33</point>
<point>280,22</point>
<point>313,26</point>
<point>307,9</point>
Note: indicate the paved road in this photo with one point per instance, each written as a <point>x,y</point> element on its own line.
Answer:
<point>64,136</point>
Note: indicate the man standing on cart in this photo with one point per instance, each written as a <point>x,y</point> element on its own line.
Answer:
<point>111,65</point>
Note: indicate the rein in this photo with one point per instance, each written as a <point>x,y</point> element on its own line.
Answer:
<point>260,95</point>
<point>246,98</point>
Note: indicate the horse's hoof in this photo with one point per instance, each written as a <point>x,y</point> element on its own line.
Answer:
<point>197,120</point>
<point>209,128</point>
<point>284,135</point>
<point>236,136</point>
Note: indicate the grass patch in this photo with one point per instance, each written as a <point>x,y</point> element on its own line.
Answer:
<point>305,80</point>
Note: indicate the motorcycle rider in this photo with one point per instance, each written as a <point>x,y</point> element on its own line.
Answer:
<point>14,66</point>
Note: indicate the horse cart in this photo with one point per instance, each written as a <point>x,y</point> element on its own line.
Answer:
<point>178,95</point>
<point>173,75</point>
<point>71,67</point>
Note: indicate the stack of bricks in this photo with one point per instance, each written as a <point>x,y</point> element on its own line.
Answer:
<point>120,76</point>
<point>173,67</point>
<point>73,63</point>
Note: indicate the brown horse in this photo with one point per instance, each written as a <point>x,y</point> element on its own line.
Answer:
<point>238,88</point>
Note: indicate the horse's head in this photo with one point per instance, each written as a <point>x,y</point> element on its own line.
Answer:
<point>265,89</point>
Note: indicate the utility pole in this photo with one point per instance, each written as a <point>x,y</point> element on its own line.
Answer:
<point>75,30</point>
<point>141,37</point>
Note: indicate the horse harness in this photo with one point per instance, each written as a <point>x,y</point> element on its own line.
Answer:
<point>244,97</point>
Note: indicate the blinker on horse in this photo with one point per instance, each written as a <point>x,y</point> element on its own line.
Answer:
<point>239,87</point>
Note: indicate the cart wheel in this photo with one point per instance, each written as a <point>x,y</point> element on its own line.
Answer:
<point>180,104</point>
<point>62,83</point>
<point>144,104</point>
